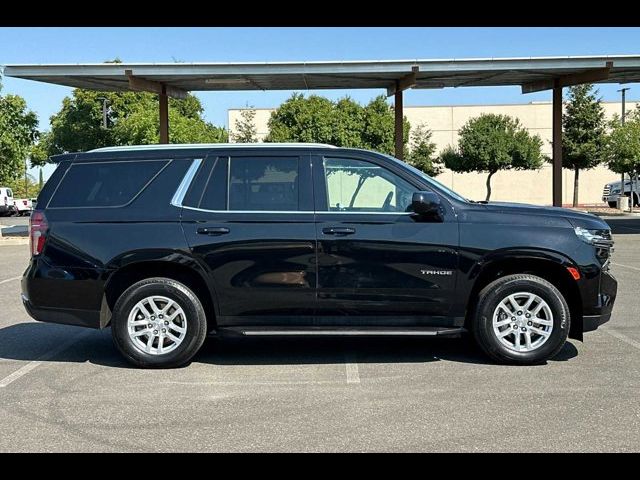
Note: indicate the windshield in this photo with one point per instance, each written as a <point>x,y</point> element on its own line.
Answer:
<point>430,180</point>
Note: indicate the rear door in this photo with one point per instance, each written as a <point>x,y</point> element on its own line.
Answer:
<point>248,217</point>
<point>378,264</point>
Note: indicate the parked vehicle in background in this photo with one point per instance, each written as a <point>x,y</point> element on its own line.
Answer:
<point>611,192</point>
<point>34,203</point>
<point>7,206</point>
<point>169,244</point>
<point>24,206</point>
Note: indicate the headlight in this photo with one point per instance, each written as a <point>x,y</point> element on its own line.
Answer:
<point>594,237</point>
<point>601,240</point>
<point>615,190</point>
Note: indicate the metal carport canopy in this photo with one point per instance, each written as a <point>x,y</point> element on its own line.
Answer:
<point>176,79</point>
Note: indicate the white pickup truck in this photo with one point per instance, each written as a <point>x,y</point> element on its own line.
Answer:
<point>24,206</point>
<point>612,191</point>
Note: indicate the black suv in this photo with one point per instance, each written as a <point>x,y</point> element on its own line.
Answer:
<point>169,244</point>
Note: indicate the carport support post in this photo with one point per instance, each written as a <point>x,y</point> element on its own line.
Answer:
<point>398,131</point>
<point>164,115</point>
<point>557,145</point>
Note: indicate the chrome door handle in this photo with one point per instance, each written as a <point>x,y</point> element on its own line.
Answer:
<point>213,230</point>
<point>338,231</point>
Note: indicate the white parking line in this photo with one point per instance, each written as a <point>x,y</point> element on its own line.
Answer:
<point>625,266</point>
<point>9,280</point>
<point>21,372</point>
<point>353,375</point>
<point>623,337</point>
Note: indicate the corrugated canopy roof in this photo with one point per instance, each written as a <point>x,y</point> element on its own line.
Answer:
<point>534,73</point>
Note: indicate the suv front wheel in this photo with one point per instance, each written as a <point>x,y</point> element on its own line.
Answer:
<point>158,322</point>
<point>521,319</point>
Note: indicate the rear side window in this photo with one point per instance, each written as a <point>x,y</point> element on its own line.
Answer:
<point>263,183</point>
<point>209,188</point>
<point>104,184</point>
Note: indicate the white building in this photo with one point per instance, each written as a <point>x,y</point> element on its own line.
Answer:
<point>517,186</point>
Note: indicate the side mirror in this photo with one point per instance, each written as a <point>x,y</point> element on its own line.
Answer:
<point>426,203</point>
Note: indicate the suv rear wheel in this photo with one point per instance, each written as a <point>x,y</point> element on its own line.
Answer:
<point>158,322</point>
<point>521,319</point>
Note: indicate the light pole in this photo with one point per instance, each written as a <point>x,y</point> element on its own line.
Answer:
<point>104,111</point>
<point>624,113</point>
<point>26,166</point>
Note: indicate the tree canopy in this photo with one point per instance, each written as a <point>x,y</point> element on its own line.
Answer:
<point>622,147</point>
<point>245,128</point>
<point>18,134</point>
<point>489,143</point>
<point>583,132</point>
<point>346,123</point>
<point>132,119</point>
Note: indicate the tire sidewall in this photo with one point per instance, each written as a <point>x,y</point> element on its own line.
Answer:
<point>546,291</point>
<point>194,314</point>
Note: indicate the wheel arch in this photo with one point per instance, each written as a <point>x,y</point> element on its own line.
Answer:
<point>547,265</point>
<point>182,269</point>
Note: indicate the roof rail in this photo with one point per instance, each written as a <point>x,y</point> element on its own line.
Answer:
<point>182,146</point>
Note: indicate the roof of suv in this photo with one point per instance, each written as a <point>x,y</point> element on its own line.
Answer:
<point>99,153</point>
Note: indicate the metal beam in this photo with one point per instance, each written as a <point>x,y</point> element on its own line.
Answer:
<point>405,83</point>
<point>399,125</point>
<point>589,76</point>
<point>557,145</point>
<point>144,85</point>
<point>164,115</point>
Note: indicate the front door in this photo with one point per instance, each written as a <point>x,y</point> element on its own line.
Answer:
<point>249,219</point>
<point>378,264</point>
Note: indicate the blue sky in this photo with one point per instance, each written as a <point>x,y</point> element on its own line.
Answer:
<point>71,45</point>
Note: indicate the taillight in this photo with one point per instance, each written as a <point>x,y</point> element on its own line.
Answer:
<point>38,227</point>
<point>24,202</point>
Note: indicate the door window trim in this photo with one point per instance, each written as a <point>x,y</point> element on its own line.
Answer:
<point>189,177</point>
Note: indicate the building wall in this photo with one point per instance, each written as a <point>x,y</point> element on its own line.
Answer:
<point>517,186</point>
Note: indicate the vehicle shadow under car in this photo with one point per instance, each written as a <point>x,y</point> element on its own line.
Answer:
<point>35,341</point>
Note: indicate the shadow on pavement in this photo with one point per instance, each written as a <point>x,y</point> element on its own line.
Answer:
<point>35,341</point>
<point>624,225</point>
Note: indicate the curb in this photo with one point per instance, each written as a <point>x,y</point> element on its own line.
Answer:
<point>6,241</point>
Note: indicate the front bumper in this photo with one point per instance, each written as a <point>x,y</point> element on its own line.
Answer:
<point>606,298</point>
<point>592,322</point>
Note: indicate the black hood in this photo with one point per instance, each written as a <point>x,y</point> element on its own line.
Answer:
<point>577,219</point>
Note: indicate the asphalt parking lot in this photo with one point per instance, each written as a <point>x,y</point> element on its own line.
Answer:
<point>67,389</point>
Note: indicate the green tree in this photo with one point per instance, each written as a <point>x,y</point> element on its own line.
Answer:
<point>18,134</point>
<point>622,147</point>
<point>344,123</point>
<point>422,153</point>
<point>132,119</point>
<point>40,180</point>
<point>490,143</point>
<point>245,128</point>
<point>583,132</point>
<point>17,185</point>
<point>301,119</point>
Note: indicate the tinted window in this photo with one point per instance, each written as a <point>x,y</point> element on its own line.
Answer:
<point>104,184</point>
<point>263,183</point>
<point>360,186</point>
<point>209,187</point>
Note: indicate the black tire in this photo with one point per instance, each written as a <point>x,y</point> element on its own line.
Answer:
<point>176,291</point>
<point>489,299</point>
<point>613,204</point>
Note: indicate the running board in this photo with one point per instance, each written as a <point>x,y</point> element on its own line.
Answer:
<point>342,332</point>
